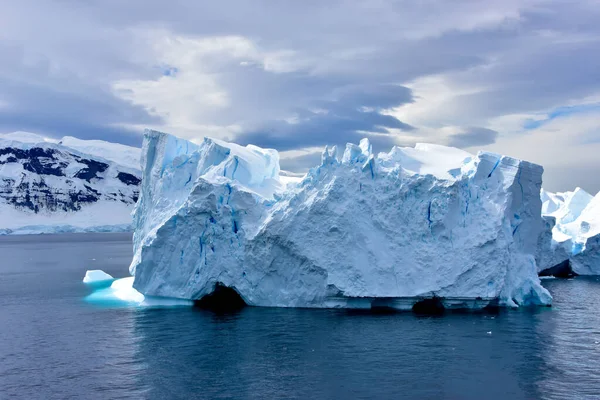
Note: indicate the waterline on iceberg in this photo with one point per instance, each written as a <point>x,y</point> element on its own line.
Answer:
<point>121,293</point>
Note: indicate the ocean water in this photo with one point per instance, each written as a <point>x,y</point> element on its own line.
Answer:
<point>55,345</point>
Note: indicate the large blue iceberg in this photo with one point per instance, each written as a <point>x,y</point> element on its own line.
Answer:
<point>358,231</point>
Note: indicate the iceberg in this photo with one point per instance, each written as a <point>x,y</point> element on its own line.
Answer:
<point>429,225</point>
<point>120,292</point>
<point>570,241</point>
<point>96,275</point>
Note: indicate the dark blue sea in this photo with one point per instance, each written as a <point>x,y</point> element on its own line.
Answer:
<point>55,345</point>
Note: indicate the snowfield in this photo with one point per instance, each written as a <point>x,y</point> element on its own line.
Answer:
<point>360,231</point>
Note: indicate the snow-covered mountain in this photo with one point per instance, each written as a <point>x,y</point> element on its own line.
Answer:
<point>409,228</point>
<point>69,185</point>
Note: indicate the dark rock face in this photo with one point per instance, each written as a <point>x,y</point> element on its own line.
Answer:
<point>37,195</point>
<point>37,160</point>
<point>128,179</point>
<point>92,170</point>
<point>562,270</point>
<point>53,179</point>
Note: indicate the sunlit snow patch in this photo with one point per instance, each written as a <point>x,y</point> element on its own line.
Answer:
<point>121,293</point>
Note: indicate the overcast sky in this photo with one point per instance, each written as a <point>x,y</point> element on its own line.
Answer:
<point>517,77</point>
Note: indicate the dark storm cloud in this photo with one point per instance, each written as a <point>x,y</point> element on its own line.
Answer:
<point>85,113</point>
<point>57,84</point>
<point>337,122</point>
<point>473,136</point>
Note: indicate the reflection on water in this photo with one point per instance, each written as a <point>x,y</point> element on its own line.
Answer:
<point>275,353</point>
<point>53,344</point>
<point>571,339</point>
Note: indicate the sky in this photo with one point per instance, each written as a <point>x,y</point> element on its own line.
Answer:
<point>521,78</point>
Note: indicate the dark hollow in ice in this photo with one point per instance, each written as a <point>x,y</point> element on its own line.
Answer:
<point>562,270</point>
<point>430,306</point>
<point>221,299</point>
<point>383,306</point>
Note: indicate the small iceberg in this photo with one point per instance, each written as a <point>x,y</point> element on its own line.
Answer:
<point>121,293</point>
<point>97,278</point>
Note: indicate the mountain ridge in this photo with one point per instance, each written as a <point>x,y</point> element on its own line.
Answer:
<point>68,184</point>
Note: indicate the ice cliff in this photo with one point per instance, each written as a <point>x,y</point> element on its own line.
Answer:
<point>571,237</point>
<point>359,231</point>
<point>71,185</point>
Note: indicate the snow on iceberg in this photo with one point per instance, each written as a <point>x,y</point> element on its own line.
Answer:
<point>571,237</point>
<point>362,231</point>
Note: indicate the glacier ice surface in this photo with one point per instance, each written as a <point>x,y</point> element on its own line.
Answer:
<point>362,231</point>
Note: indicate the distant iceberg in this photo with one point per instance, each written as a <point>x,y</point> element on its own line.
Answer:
<point>52,229</point>
<point>570,241</point>
<point>391,230</point>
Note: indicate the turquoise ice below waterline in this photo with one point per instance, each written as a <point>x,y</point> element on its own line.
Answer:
<point>121,293</point>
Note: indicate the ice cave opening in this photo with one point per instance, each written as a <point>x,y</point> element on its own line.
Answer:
<point>221,299</point>
<point>560,270</point>
<point>429,306</point>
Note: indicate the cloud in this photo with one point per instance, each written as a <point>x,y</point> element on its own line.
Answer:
<point>473,136</point>
<point>85,112</point>
<point>354,113</point>
<point>560,112</point>
<point>563,146</point>
<point>301,163</point>
<point>299,75</point>
<point>54,81</point>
